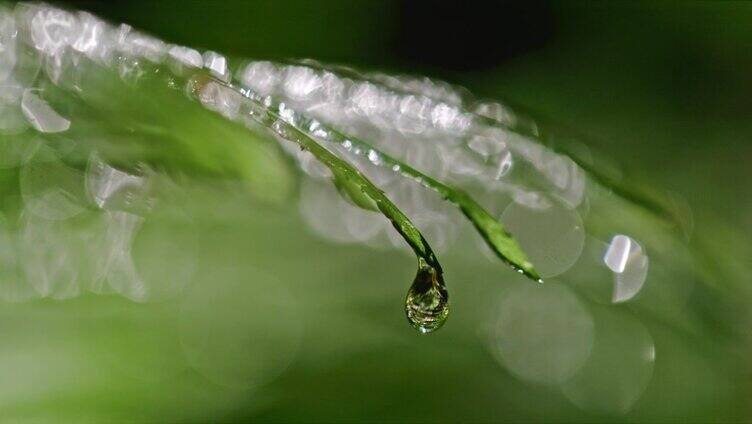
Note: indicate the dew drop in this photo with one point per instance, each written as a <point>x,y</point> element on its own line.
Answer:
<point>427,302</point>
<point>40,115</point>
<point>186,56</point>
<point>217,65</point>
<point>505,164</point>
<point>618,253</point>
<point>374,157</point>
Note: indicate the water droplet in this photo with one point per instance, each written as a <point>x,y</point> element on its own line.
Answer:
<point>618,253</point>
<point>217,65</point>
<point>40,115</point>
<point>626,258</point>
<point>505,164</point>
<point>487,144</point>
<point>185,57</point>
<point>262,77</point>
<point>427,303</point>
<point>374,157</point>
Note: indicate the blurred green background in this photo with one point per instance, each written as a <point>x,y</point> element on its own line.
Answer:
<point>301,329</point>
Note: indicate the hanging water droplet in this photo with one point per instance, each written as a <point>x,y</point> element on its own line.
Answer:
<point>427,302</point>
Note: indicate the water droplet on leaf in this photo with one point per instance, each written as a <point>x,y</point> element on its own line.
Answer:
<point>427,303</point>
